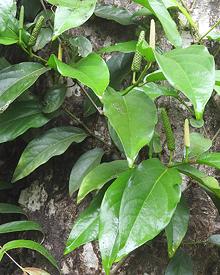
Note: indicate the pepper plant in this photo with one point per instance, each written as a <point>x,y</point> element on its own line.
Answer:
<point>135,198</point>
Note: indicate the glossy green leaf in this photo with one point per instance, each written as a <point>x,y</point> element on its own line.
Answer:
<point>30,245</point>
<point>109,220</point>
<point>192,71</point>
<point>119,67</point>
<point>52,143</point>
<point>156,143</point>
<point>6,208</point>
<point>16,79</point>
<point>19,117</point>
<point>154,90</point>
<point>134,130</point>
<point>208,183</point>
<point>83,166</point>
<point>54,98</point>
<point>148,204</point>
<point>198,144</point>
<point>88,107</point>
<point>181,264</point>
<point>20,226</point>
<point>43,39</point>
<point>158,8</point>
<point>146,51</point>
<point>123,47</point>
<point>100,175</point>
<point>196,123</point>
<point>214,239</point>
<point>155,76</point>
<point>4,63</point>
<point>217,81</point>
<point>7,11</point>
<point>115,138</point>
<point>177,228</point>
<point>92,71</point>
<point>8,37</point>
<point>114,13</point>
<point>210,159</point>
<point>86,227</point>
<point>83,45</point>
<point>72,15</point>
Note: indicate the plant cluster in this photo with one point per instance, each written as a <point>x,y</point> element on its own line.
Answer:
<point>134,199</point>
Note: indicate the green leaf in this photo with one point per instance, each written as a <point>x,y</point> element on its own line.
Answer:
<point>16,79</point>
<point>8,37</point>
<point>88,107</point>
<point>43,39</point>
<point>210,184</point>
<point>5,185</point>
<point>115,138</point>
<point>142,215</point>
<point>177,228</point>
<point>146,51</point>
<point>156,143</point>
<point>52,143</point>
<point>73,15</point>
<point>119,67</point>
<point>86,227</point>
<point>125,114</point>
<point>181,264</point>
<point>155,76</point>
<point>7,12</point>
<point>210,159</point>
<point>192,71</point>
<point>100,175</point>
<point>6,208</point>
<point>198,144</point>
<point>92,71</point>
<point>159,10</point>
<point>54,98</point>
<point>123,47</point>
<point>217,81</point>
<point>109,220</point>
<point>117,14</point>
<point>30,245</point>
<point>19,226</point>
<point>19,117</point>
<point>214,239</point>
<point>83,45</point>
<point>83,166</point>
<point>214,35</point>
<point>4,63</point>
<point>154,90</point>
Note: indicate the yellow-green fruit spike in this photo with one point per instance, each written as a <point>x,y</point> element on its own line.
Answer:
<point>168,130</point>
<point>152,40</point>
<point>136,64</point>
<point>186,134</point>
<point>36,31</point>
<point>21,18</point>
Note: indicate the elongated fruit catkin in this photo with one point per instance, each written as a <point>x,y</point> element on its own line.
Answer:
<point>36,31</point>
<point>168,130</point>
<point>136,64</point>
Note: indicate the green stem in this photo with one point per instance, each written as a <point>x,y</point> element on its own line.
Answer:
<point>170,158</point>
<point>216,135</point>
<point>146,68</point>
<point>186,158</point>
<point>184,103</point>
<point>212,28</point>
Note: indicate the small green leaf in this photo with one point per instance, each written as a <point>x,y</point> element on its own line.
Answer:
<point>19,117</point>
<point>214,35</point>
<point>146,51</point>
<point>30,245</point>
<point>16,79</point>
<point>109,220</point>
<point>54,98</point>
<point>210,184</point>
<point>86,227</point>
<point>92,71</point>
<point>100,175</point>
<point>181,264</point>
<point>155,76</point>
<point>198,144</point>
<point>158,8</point>
<point>196,123</point>
<point>142,215</point>
<point>83,166</point>
<point>20,226</point>
<point>52,143</point>
<point>83,45</point>
<point>134,130</point>
<point>72,15</point>
<point>154,90</point>
<point>123,47</point>
<point>192,71</point>
<point>6,208</point>
<point>177,228</point>
<point>210,159</point>
<point>117,14</point>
